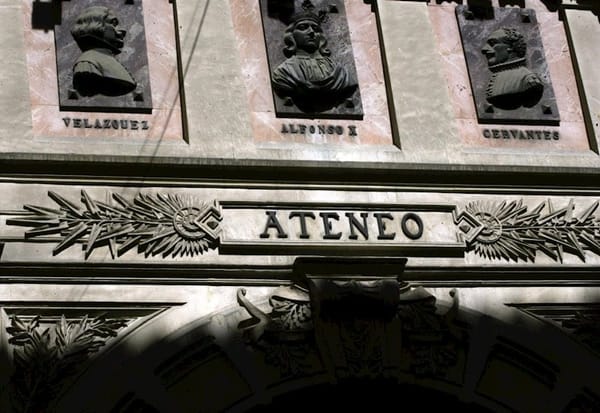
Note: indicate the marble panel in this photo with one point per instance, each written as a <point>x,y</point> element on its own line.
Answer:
<point>584,32</point>
<point>164,121</point>
<point>572,130</point>
<point>375,127</point>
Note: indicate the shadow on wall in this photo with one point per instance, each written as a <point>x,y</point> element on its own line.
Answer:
<point>285,352</point>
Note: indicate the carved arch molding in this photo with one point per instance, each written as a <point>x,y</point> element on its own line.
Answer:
<point>333,332</point>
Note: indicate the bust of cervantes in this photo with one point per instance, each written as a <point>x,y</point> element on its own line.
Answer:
<point>511,84</point>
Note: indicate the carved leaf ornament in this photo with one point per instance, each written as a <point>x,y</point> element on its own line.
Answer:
<point>157,224</point>
<point>513,232</point>
<point>45,357</point>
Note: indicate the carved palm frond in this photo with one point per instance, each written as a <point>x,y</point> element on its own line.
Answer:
<point>156,224</point>
<point>510,231</point>
<point>45,358</point>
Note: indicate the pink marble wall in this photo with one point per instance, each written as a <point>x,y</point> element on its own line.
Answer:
<point>373,129</point>
<point>573,136</point>
<point>165,121</point>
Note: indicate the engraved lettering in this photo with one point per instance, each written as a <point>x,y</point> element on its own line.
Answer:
<point>134,124</point>
<point>144,125</point>
<point>273,223</point>
<point>352,130</point>
<point>284,129</point>
<point>382,227</point>
<point>302,217</point>
<point>87,124</point>
<point>354,223</point>
<point>67,121</point>
<point>327,227</point>
<point>77,123</point>
<point>414,230</point>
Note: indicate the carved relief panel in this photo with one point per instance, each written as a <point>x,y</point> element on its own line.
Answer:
<point>101,57</point>
<point>507,66</point>
<point>313,71</point>
<point>310,59</point>
<point>101,70</point>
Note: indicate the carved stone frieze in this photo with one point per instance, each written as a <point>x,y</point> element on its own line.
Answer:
<point>46,356</point>
<point>286,334</point>
<point>512,231</point>
<point>156,224</point>
<point>582,321</point>
<point>432,339</point>
<point>355,326</point>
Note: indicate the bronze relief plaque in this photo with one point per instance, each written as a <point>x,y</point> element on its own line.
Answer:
<point>101,57</point>
<point>310,58</point>
<point>509,75</point>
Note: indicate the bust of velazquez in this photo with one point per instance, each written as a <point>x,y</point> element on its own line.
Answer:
<point>511,84</point>
<point>309,76</point>
<point>96,70</point>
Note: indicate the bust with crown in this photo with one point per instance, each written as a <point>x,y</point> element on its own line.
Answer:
<point>313,80</point>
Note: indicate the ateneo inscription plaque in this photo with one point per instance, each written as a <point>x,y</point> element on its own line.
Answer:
<point>507,66</point>
<point>101,57</point>
<point>310,59</point>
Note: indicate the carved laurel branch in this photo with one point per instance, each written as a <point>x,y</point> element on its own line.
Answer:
<point>157,224</point>
<point>513,232</point>
<point>44,358</point>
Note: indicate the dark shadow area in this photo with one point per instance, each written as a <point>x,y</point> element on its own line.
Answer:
<point>45,16</point>
<point>518,3</point>
<point>368,396</point>
<point>552,5</point>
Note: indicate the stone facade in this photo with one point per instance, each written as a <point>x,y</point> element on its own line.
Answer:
<point>207,254</point>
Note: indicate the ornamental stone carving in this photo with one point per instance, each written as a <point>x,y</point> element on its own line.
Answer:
<point>167,225</point>
<point>354,326</point>
<point>512,231</point>
<point>45,357</point>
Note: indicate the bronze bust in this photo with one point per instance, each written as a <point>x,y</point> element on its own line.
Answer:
<point>511,84</point>
<point>309,77</point>
<point>96,70</point>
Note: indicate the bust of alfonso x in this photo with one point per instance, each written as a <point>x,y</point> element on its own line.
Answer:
<point>309,76</point>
